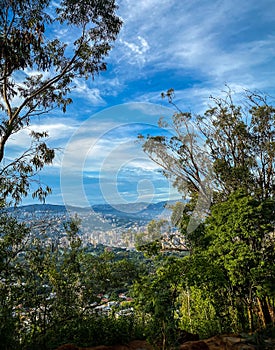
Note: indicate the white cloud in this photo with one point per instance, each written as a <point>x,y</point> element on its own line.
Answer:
<point>55,128</point>
<point>150,108</point>
<point>212,39</point>
<point>83,91</point>
<point>138,50</point>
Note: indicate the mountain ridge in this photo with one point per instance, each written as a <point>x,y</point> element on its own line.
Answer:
<point>126,209</point>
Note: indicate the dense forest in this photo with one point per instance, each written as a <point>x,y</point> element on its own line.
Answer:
<point>222,162</point>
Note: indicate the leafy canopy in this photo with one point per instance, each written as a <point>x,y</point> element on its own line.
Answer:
<point>223,162</point>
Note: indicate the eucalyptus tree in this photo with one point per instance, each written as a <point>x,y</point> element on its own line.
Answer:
<point>37,70</point>
<point>230,146</point>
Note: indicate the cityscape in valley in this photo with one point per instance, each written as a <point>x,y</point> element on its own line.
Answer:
<point>150,128</point>
<point>100,224</point>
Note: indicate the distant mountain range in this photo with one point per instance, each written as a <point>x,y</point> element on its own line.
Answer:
<point>131,210</point>
<point>101,216</point>
<point>102,223</point>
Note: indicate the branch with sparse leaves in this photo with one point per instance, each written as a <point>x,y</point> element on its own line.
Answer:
<point>37,70</point>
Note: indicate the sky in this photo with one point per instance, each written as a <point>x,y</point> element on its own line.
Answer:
<point>194,47</point>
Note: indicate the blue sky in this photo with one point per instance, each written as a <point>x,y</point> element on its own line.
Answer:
<point>194,47</point>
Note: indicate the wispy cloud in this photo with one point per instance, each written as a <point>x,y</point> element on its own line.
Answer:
<point>214,41</point>
<point>193,46</point>
<point>136,53</point>
<point>83,91</point>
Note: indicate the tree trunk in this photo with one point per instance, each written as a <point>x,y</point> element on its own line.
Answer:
<point>163,336</point>
<point>271,309</point>
<point>250,318</point>
<point>263,312</point>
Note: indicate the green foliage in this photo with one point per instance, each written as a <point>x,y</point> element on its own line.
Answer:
<point>242,244</point>
<point>197,313</point>
<point>151,241</point>
<point>13,240</point>
<point>48,297</point>
<point>223,163</point>
<point>92,330</point>
<point>234,264</point>
<point>156,299</point>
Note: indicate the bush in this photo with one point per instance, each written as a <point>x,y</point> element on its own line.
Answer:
<point>92,331</point>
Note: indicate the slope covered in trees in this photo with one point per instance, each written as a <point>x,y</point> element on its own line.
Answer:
<point>223,162</point>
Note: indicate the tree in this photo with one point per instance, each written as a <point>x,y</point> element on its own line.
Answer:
<point>241,142</point>
<point>231,146</point>
<point>47,68</point>
<point>150,241</point>
<point>240,233</point>
<point>11,271</point>
<point>50,296</point>
<point>156,298</point>
<point>232,267</point>
<point>229,151</point>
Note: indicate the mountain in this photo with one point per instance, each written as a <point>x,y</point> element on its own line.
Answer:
<point>131,211</point>
<point>102,223</point>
